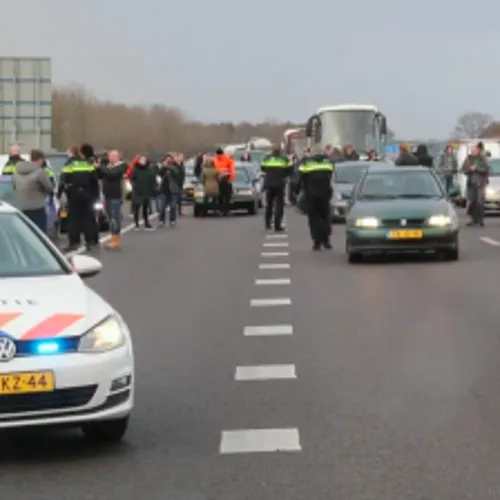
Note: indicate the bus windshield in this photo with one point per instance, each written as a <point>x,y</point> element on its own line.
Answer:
<point>355,127</point>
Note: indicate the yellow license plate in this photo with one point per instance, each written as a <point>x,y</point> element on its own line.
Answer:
<point>63,214</point>
<point>406,235</point>
<point>26,382</point>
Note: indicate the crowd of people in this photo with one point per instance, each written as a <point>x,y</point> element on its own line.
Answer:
<point>86,179</point>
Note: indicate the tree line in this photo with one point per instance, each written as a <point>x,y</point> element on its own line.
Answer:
<point>78,116</point>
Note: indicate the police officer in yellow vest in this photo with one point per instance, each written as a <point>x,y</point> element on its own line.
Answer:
<point>316,182</point>
<point>80,183</point>
<point>276,168</point>
<point>14,158</point>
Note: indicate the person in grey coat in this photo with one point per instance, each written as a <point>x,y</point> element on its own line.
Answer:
<point>32,186</point>
<point>477,170</point>
<point>447,167</point>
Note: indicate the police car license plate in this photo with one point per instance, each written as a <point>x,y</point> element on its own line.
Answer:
<point>26,382</point>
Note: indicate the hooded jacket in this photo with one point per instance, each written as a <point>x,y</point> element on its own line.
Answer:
<point>32,186</point>
<point>423,156</point>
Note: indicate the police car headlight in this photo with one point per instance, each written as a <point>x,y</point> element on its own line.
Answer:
<point>490,191</point>
<point>98,206</point>
<point>367,223</point>
<point>440,220</point>
<point>106,336</point>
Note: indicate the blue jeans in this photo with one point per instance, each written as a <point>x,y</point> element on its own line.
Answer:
<point>114,211</point>
<point>173,203</point>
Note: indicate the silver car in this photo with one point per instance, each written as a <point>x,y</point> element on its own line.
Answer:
<point>344,179</point>
<point>492,194</point>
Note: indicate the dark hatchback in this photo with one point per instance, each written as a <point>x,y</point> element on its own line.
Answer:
<point>404,209</point>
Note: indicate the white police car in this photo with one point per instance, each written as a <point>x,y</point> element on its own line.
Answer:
<point>66,355</point>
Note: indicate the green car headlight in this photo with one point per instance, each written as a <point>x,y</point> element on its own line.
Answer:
<point>367,223</point>
<point>440,220</point>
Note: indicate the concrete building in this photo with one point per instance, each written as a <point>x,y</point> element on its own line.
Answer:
<point>25,103</point>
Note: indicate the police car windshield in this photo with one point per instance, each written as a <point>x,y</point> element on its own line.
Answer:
<point>399,184</point>
<point>348,174</point>
<point>23,253</point>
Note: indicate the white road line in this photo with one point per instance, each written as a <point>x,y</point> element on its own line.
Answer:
<point>270,302</point>
<point>490,241</point>
<point>282,244</point>
<point>276,236</point>
<point>104,239</point>
<point>274,254</point>
<point>277,265</point>
<point>267,330</point>
<point>265,372</point>
<point>259,441</point>
<point>274,281</point>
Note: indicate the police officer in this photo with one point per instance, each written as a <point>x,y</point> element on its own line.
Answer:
<point>316,182</point>
<point>277,168</point>
<point>14,158</point>
<point>80,183</point>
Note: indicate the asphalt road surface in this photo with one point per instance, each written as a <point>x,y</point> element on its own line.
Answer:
<point>371,382</point>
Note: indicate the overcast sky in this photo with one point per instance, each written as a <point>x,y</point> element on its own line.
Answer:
<point>423,63</point>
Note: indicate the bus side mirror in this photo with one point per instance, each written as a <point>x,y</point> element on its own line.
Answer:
<point>383,125</point>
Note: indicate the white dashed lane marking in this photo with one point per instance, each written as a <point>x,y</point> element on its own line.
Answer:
<point>265,372</point>
<point>280,265</point>
<point>259,441</point>
<point>277,244</point>
<point>270,302</point>
<point>275,281</point>
<point>490,241</point>
<point>275,254</point>
<point>267,330</point>
<point>276,236</point>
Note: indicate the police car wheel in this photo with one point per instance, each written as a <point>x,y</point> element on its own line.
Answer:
<point>106,431</point>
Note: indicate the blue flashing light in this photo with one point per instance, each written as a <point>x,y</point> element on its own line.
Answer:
<point>47,347</point>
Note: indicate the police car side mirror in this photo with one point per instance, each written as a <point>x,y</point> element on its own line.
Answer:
<point>85,266</point>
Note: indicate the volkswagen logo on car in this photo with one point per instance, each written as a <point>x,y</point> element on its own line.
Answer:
<point>7,349</point>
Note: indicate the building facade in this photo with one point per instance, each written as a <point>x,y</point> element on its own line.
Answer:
<point>25,103</point>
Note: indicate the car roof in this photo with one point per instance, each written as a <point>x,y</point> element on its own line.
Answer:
<point>5,208</point>
<point>387,169</point>
<point>367,164</point>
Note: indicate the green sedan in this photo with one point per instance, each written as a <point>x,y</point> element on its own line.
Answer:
<point>404,209</point>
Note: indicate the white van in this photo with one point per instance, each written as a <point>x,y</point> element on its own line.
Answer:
<point>490,145</point>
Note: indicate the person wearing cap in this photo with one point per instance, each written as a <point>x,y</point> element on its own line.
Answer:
<point>80,183</point>
<point>277,168</point>
<point>225,166</point>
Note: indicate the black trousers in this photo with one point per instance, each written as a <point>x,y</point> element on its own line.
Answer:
<point>144,207</point>
<point>38,217</point>
<point>225,194</point>
<point>275,201</point>
<point>81,219</point>
<point>318,215</point>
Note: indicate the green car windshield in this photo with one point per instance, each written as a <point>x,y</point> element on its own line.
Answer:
<point>399,184</point>
<point>348,174</point>
<point>494,167</point>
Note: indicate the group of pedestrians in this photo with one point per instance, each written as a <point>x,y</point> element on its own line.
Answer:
<point>86,180</point>
<point>475,167</point>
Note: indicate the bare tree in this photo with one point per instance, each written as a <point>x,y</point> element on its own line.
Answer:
<point>79,117</point>
<point>471,125</point>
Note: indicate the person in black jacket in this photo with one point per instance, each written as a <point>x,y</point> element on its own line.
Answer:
<point>80,183</point>
<point>406,158</point>
<point>179,161</point>
<point>111,173</point>
<point>277,169</point>
<point>423,156</point>
<point>316,182</point>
